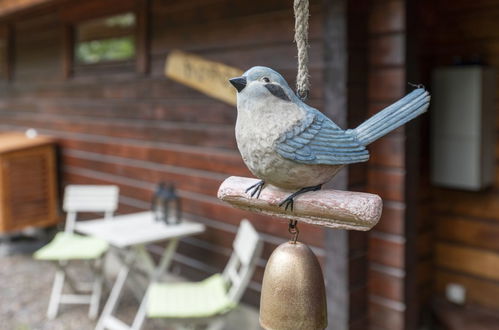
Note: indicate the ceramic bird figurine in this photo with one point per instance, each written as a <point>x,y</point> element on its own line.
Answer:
<point>288,144</point>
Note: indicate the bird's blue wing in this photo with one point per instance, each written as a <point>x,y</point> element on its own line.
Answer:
<point>317,140</point>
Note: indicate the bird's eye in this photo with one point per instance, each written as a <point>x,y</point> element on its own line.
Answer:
<point>266,79</point>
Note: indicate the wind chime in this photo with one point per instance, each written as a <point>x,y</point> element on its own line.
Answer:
<point>293,149</point>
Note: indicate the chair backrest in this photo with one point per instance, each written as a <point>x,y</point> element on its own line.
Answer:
<point>247,247</point>
<point>89,198</point>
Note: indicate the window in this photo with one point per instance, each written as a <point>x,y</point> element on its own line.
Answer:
<point>105,40</point>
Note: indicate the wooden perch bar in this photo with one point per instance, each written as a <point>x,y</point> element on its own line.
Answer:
<point>329,208</point>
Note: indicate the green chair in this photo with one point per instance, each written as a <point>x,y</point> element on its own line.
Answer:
<point>67,246</point>
<point>206,302</point>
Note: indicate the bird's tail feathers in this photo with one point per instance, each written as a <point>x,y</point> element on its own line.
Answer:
<point>393,116</point>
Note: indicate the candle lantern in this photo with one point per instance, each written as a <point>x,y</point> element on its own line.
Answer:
<point>166,204</point>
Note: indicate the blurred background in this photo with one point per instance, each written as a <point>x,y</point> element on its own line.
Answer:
<point>88,78</point>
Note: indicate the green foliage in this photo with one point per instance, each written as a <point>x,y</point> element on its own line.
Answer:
<point>124,20</point>
<point>105,50</point>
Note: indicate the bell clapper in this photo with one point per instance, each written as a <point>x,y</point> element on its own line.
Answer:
<point>293,230</point>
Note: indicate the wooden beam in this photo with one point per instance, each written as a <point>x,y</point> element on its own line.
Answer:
<point>10,6</point>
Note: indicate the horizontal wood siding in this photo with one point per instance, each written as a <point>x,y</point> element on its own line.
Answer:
<point>116,126</point>
<point>466,223</point>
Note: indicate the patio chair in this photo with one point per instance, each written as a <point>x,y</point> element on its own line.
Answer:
<point>68,246</point>
<point>209,301</point>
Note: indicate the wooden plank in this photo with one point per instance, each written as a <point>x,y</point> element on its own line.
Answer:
<point>388,151</point>
<point>466,27</point>
<point>385,285</point>
<point>180,110</point>
<point>387,50</point>
<point>188,134</point>
<point>387,16</point>
<point>8,7</point>
<point>283,57</point>
<point>478,291</point>
<point>182,13</point>
<point>10,142</point>
<point>468,231</point>
<point>484,204</point>
<point>207,160</point>
<point>482,263</point>
<point>386,182</point>
<point>241,32</point>
<point>465,5</point>
<point>147,172</point>
<point>209,77</point>
<point>392,218</point>
<point>93,9</point>
<point>385,84</point>
<point>385,317</point>
<point>386,252</point>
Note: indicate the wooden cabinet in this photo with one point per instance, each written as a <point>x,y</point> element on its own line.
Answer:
<point>28,183</point>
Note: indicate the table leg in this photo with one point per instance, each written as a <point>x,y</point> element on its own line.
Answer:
<point>165,261</point>
<point>116,291</point>
<point>144,267</point>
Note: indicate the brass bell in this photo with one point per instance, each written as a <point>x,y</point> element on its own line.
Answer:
<point>293,292</point>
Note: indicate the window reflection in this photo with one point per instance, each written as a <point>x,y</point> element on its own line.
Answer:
<point>106,39</point>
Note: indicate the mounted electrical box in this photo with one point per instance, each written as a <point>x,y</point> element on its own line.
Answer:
<point>463,127</point>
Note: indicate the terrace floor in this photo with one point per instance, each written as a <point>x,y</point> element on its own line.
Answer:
<point>24,293</point>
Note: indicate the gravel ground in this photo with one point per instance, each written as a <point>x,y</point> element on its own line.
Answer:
<point>25,289</point>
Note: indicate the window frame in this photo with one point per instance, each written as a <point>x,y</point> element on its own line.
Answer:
<point>88,11</point>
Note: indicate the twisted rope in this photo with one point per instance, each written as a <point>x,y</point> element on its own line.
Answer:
<point>301,38</point>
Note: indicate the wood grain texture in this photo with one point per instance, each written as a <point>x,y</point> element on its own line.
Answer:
<point>384,317</point>
<point>390,307</point>
<point>466,223</point>
<point>478,291</point>
<point>385,285</point>
<point>472,261</point>
<point>472,232</point>
<point>328,208</point>
<point>133,127</point>
<point>28,183</point>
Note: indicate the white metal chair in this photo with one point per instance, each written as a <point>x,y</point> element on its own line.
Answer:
<point>68,246</point>
<point>206,302</point>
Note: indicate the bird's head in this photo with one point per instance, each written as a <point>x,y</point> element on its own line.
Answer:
<point>260,81</point>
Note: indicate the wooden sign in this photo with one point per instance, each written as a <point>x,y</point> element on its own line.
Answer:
<point>208,77</point>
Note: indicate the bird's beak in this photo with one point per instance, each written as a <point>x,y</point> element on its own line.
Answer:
<point>239,83</point>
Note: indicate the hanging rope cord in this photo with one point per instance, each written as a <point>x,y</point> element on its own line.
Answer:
<point>301,39</point>
<point>302,78</point>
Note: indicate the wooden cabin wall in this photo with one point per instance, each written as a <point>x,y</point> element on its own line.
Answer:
<point>135,130</point>
<point>466,224</point>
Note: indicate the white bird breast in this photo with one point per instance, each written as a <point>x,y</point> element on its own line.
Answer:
<point>260,123</point>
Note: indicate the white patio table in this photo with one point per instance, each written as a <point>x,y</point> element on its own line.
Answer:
<point>129,234</point>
